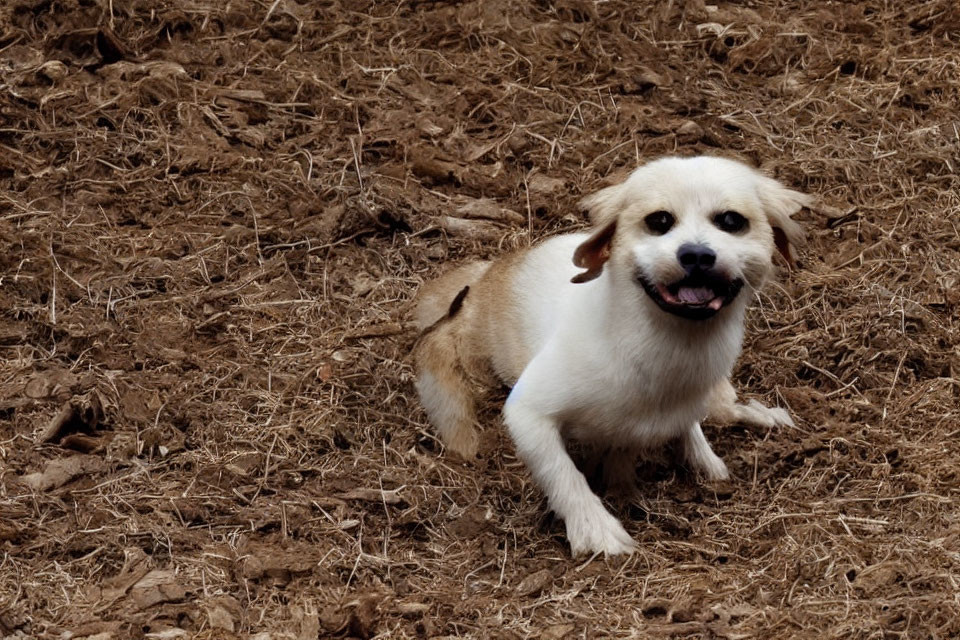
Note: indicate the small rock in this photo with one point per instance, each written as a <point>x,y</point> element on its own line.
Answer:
<point>487,209</point>
<point>556,631</point>
<point>546,185</point>
<point>413,609</point>
<point>474,229</point>
<point>690,130</point>
<point>53,70</point>
<point>534,583</point>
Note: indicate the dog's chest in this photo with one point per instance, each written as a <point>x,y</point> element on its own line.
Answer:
<point>632,414</point>
<point>655,400</point>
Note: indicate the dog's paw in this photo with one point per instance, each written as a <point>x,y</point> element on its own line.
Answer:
<point>701,456</point>
<point>768,417</point>
<point>597,531</point>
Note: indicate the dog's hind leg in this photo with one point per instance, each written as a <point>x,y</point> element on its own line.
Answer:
<point>724,408</point>
<point>445,391</point>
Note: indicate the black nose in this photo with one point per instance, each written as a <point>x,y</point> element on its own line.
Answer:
<point>695,257</point>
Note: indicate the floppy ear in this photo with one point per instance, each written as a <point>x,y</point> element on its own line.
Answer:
<point>779,203</point>
<point>602,208</point>
<point>594,252</point>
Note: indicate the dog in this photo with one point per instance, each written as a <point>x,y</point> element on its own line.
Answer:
<point>623,338</point>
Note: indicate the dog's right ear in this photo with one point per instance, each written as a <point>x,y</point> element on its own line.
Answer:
<point>594,252</point>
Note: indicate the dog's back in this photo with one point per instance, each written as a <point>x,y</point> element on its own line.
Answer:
<point>434,298</point>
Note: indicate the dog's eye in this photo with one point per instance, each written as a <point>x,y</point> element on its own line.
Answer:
<point>731,222</point>
<point>659,222</point>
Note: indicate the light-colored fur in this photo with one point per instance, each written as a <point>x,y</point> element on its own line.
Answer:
<point>598,361</point>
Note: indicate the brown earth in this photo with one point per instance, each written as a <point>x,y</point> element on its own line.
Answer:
<point>214,214</point>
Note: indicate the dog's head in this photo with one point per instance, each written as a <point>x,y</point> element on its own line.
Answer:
<point>692,233</point>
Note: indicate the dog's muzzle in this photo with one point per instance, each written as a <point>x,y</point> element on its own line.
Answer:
<point>697,296</point>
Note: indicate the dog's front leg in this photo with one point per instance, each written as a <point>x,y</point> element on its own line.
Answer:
<point>701,457</point>
<point>590,527</point>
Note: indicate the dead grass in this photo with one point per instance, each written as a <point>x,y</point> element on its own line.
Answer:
<point>212,216</point>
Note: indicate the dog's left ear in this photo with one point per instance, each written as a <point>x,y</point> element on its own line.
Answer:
<point>779,203</point>
<point>594,252</point>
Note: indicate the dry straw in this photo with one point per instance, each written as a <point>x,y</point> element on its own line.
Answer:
<point>213,216</point>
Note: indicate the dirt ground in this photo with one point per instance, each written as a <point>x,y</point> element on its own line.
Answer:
<point>213,216</point>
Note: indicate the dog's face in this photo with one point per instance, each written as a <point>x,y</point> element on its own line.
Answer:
<point>692,233</point>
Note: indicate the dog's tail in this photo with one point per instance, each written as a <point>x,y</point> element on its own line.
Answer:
<point>435,298</point>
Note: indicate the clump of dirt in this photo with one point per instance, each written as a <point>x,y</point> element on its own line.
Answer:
<point>213,216</point>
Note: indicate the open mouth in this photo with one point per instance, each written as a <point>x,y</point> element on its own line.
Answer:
<point>696,297</point>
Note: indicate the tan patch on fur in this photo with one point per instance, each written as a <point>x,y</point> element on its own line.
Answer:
<point>494,305</point>
<point>459,352</point>
<point>444,387</point>
<point>455,353</point>
<point>434,298</point>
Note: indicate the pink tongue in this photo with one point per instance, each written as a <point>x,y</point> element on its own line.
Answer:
<point>695,295</point>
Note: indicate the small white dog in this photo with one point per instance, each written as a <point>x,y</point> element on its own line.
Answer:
<point>624,338</point>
